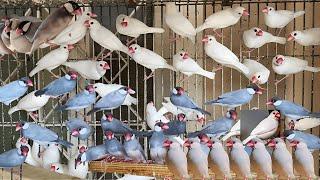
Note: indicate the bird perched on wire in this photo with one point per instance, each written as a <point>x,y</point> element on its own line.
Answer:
<point>4,37</point>
<point>14,157</point>
<point>133,148</point>
<point>308,37</point>
<point>178,23</point>
<point>303,124</point>
<point>89,69</point>
<point>79,128</point>
<point>312,141</point>
<point>157,151</point>
<point>153,116</point>
<point>55,23</point>
<point>258,73</point>
<point>176,127</point>
<point>114,147</point>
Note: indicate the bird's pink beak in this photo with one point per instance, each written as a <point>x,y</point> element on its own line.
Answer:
<point>265,10</point>
<point>271,143</point>
<point>6,29</point>
<point>167,143</point>
<point>165,126</point>
<point>78,12</point>
<point>29,83</point>
<point>74,75</point>
<point>82,149</point>
<point>209,144</point>
<point>127,136</point>
<point>70,47</point>
<point>269,102</point>
<point>234,116</point>
<point>124,23</point>
<point>279,61</point>
<point>250,144</point>
<point>19,31</point>
<point>187,143</point>
<point>294,143</point>
<point>23,140</point>
<point>229,143</point>
<point>205,39</point>
<point>53,168</point>
<point>204,138</point>
<point>130,91</point>
<point>93,15</point>
<point>87,23</point>
<point>254,79</point>
<point>278,115</point>
<point>131,50</point>
<point>75,132</point>
<point>201,120</point>
<point>18,126</point>
<point>245,13</point>
<point>185,56</point>
<point>291,125</point>
<point>290,38</point>
<point>106,66</point>
<point>259,33</point>
<point>259,91</point>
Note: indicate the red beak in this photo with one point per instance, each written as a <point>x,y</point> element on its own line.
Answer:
<point>234,117</point>
<point>250,144</point>
<point>278,115</point>
<point>74,75</point>
<point>19,31</point>
<point>93,15</point>
<point>185,56</point>
<point>209,144</point>
<point>271,143</point>
<point>78,12</point>
<point>279,61</point>
<point>259,92</point>
<point>245,13</point>
<point>294,144</point>
<point>205,39</point>
<point>229,143</point>
<point>124,24</point>
<point>165,126</point>
<point>75,132</point>
<point>53,168</point>
<point>82,149</point>
<point>23,140</point>
<point>259,33</point>
<point>18,126</point>
<point>254,79</point>
<point>106,66</point>
<point>290,38</point>
<point>131,50</point>
<point>265,10</point>
<point>70,46</point>
<point>187,143</point>
<point>87,23</point>
<point>29,82</point>
<point>167,143</point>
<point>127,136</point>
<point>269,102</point>
<point>201,120</point>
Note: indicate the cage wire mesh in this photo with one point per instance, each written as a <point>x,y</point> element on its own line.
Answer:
<point>300,88</point>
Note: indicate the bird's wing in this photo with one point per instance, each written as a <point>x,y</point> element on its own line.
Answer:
<point>180,24</point>
<point>39,133</point>
<point>293,108</point>
<point>234,97</point>
<point>32,30</point>
<point>266,125</point>
<point>191,66</point>
<point>225,53</point>
<point>113,99</point>
<point>81,99</point>
<point>285,13</point>
<point>11,90</point>
<point>152,58</point>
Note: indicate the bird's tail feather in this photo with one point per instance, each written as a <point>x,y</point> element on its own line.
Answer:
<point>156,30</point>
<point>93,111</point>
<point>280,40</point>
<point>312,69</point>
<point>242,68</point>
<point>202,111</point>
<point>230,134</point>
<point>193,134</point>
<point>143,133</point>
<point>13,109</point>
<point>201,28</point>
<point>211,102</point>
<point>35,71</point>
<point>64,143</point>
<point>170,67</point>
<point>316,114</point>
<point>248,139</point>
<point>68,64</point>
<point>207,74</point>
<point>40,92</point>
<point>299,13</point>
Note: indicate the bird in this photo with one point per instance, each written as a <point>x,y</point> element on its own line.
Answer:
<point>55,23</point>
<point>81,100</point>
<point>255,38</point>
<point>234,131</point>
<point>3,47</point>
<point>41,135</point>
<point>104,37</point>
<point>179,98</point>
<point>30,103</point>
<point>78,170</point>
<point>133,27</point>
<point>236,98</point>
<point>104,89</point>
<point>60,86</point>
<point>312,141</point>
<point>14,157</point>
<point>279,18</point>
<point>223,18</point>
<point>282,156</point>
<point>29,159</point>
<point>36,151</point>
<point>186,65</point>
<point>177,157</point>
<point>153,116</point>
<point>89,69</point>
<point>261,156</point>
<point>222,55</point>
<point>286,65</point>
<point>133,148</point>
<point>53,59</point>
<point>93,153</point>
<point>240,156</point>
<point>218,127</point>
<point>50,155</point>
<point>14,90</point>
<point>304,157</point>
<point>307,37</point>
<point>290,109</point>
<point>5,34</point>
<point>258,73</point>
<point>198,158</point>
<point>266,128</point>
<point>176,127</point>
<point>114,147</point>
<point>111,101</point>
<point>178,23</point>
<point>303,124</point>
<point>220,157</point>
<point>158,152</point>
<point>59,168</point>
<point>148,59</point>
<point>79,128</point>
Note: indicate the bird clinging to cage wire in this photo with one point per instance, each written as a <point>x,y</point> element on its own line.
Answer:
<point>14,90</point>
<point>258,73</point>
<point>306,37</point>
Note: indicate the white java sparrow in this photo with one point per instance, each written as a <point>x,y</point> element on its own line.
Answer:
<point>220,157</point>
<point>177,157</point>
<point>29,160</point>
<point>36,152</point>
<point>222,55</point>
<point>30,103</point>
<point>240,156</point>
<point>308,37</point>
<point>256,37</point>
<point>198,157</point>
<point>188,66</point>
<point>178,23</point>
<point>133,27</point>
<point>279,18</point>
<point>234,131</point>
<point>258,73</point>
<point>105,89</point>
<point>148,59</point>
<point>282,156</point>
<point>104,37</point>
<point>266,128</point>
<point>303,124</point>
<point>153,116</point>
<point>59,168</point>
<point>53,59</point>
<point>51,154</point>
<point>304,157</point>
<point>261,156</point>
<point>89,69</point>
<point>224,18</point>
<point>79,170</point>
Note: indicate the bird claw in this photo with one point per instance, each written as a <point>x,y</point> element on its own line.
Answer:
<point>218,68</point>
<point>148,77</point>
<point>218,34</point>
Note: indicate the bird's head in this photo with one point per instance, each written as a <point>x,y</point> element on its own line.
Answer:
<point>73,75</point>
<point>181,117</point>
<point>274,101</point>
<point>258,78</point>
<point>91,23</point>
<point>183,55</point>
<point>294,35</point>
<point>232,114</point>
<point>21,125</point>
<point>109,135</point>
<point>134,48</point>
<point>73,8</point>
<point>82,148</point>
<point>257,31</point>
<point>178,91</point>
<point>128,136</point>
<point>167,143</point>
<point>90,88</point>
<point>240,11</point>
<point>24,150</point>
<point>254,89</point>
<point>209,39</point>
<point>26,81</point>
<point>276,115</point>
<point>90,14</point>
<point>203,138</point>
<point>23,140</point>
<point>68,47</point>
<point>278,60</point>
<point>230,143</point>
<point>102,65</point>
<point>123,20</point>
<point>268,10</point>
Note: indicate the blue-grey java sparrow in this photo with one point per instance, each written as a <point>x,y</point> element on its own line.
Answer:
<point>41,135</point>
<point>114,147</point>
<point>304,157</point>
<point>198,157</point>
<point>157,151</point>
<point>219,126</point>
<point>55,23</point>
<point>14,90</point>
<point>79,128</point>
<point>177,157</point>
<point>282,156</point>
<point>81,100</point>
<point>180,99</point>
<point>14,157</point>
<point>261,156</point>
<point>236,98</point>
<point>220,157</point>
<point>60,86</point>
<point>312,141</point>
<point>240,156</point>
<point>113,100</point>
<point>176,127</point>
<point>133,148</point>
<point>92,153</point>
<point>3,48</point>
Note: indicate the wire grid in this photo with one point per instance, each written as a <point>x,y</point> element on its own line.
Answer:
<point>300,88</point>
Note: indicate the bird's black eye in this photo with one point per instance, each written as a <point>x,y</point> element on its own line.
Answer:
<point>135,48</point>
<point>123,19</point>
<point>239,13</point>
<point>213,142</point>
<point>295,34</point>
<point>259,76</point>
<point>101,65</point>
<point>91,23</point>
<point>255,142</point>
<point>270,9</point>
<point>276,142</point>
<point>57,168</point>
<point>255,30</point>
<point>181,54</point>
<point>88,14</point>
<point>65,47</point>
<point>233,142</point>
